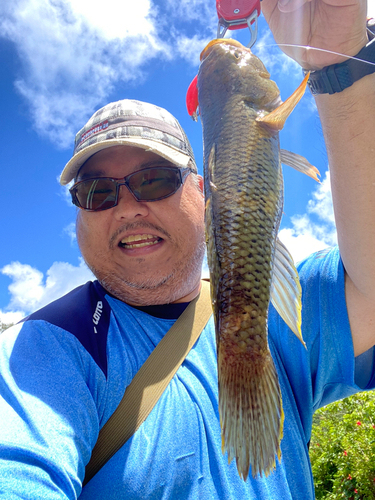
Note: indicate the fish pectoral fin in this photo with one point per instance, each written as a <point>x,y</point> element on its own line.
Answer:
<point>211,165</point>
<point>212,258</point>
<point>286,290</point>
<point>275,120</point>
<point>299,163</point>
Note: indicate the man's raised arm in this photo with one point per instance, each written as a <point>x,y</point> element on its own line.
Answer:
<point>348,121</point>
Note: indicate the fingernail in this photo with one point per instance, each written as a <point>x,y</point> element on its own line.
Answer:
<point>283,2</point>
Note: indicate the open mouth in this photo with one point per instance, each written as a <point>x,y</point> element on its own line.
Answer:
<point>139,241</point>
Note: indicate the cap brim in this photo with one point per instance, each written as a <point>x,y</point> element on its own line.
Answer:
<point>168,152</point>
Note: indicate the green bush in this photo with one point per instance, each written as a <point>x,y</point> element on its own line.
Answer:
<point>4,326</point>
<point>342,449</point>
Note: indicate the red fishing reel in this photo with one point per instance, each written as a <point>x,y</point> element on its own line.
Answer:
<point>238,14</point>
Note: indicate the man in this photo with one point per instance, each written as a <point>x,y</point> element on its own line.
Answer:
<point>60,381</point>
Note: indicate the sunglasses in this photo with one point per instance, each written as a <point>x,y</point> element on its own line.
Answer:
<point>149,184</point>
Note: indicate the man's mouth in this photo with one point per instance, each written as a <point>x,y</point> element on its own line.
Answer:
<point>139,240</point>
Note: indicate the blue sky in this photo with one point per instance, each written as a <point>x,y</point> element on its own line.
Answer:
<point>63,59</point>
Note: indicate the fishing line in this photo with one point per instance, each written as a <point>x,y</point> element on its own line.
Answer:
<point>307,47</point>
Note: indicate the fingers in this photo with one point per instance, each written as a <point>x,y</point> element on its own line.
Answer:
<point>291,5</point>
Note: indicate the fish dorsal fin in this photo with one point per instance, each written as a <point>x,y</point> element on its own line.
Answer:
<point>277,118</point>
<point>299,163</point>
<point>286,290</point>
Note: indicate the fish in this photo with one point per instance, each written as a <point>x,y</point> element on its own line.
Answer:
<point>242,113</point>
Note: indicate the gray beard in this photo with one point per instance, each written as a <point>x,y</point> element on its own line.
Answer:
<point>155,290</point>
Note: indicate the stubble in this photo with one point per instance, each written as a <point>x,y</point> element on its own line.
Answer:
<point>153,289</point>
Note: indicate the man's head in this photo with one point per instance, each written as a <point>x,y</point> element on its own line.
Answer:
<point>142,251</point>
<point>131,123</point>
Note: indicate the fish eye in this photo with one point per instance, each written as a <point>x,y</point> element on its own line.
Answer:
<point>236,54</point>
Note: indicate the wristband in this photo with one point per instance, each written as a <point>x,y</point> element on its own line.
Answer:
<point>338,77</point>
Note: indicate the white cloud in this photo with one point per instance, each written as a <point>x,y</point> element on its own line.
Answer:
<point>30,290</point>
<point>199,11</point>
<point>72,52</point>
<point>118,18</point>
<point>322,204</point>
<point>70,231</point>
<point>371,8</point>
<point>190,48</point>
<point>64,191</point>
<point>307,236</point>
<point>9,318</point>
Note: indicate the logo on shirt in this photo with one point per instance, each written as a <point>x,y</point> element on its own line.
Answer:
<point>97,314</point>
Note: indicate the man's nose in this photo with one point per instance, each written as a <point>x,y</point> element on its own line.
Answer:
<point>128,207</point>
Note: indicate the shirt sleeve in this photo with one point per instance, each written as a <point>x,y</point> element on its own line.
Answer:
<point>50,390</point>
<point>326,370</point>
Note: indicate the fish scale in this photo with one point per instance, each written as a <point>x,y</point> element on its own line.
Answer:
<point>244,198</point>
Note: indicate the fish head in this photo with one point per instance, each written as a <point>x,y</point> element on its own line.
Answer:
<point>228,68</point>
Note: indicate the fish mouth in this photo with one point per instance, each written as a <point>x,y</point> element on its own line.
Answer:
<point>222,41</point>
<point>242,55</point>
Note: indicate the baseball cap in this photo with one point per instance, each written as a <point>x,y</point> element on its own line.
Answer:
<point>131,123</point>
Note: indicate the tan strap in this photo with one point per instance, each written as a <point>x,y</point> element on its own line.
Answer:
<point>150,381</point>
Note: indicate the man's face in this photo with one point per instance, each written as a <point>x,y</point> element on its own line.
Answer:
<point>143,252</point>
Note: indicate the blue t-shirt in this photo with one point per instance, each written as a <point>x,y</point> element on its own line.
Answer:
<point>64,370</point>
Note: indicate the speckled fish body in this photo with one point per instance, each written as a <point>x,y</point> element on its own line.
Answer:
<point>244,200</point>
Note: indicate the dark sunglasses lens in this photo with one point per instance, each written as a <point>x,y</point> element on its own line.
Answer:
<point>96,194</point>
<point>154,183</point>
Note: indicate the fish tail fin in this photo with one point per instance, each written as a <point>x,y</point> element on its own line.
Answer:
<point>251,415</point>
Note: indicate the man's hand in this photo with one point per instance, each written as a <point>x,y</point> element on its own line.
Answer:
<point>332,25</point>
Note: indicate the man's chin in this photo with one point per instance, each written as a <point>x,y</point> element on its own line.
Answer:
<point>139,292</point>
<point>147,284</point>
<point>156,288</point>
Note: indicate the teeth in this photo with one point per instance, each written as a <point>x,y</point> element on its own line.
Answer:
<point>139,245</point>
<point>145,239</point>
<point>138,237</point>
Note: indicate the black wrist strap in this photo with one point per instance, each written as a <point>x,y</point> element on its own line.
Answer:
<point>338,77</point>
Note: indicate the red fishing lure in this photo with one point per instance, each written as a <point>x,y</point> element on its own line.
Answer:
<point>192,99</point>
